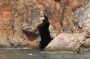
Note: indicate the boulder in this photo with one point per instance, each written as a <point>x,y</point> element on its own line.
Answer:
<point>66,42</point>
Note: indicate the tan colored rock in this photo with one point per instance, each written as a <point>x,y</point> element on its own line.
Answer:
<point>66,42</point>
<point>19,21</point>
<point>28,17</point>
<point>4,42</point>
<point>87,43</point>
<point>31,44</point>
<point>62,16</point>
<point>6,16</point>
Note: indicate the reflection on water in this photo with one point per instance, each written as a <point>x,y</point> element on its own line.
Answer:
<point>36,54</point>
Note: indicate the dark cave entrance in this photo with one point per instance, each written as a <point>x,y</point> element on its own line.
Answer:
<point>44,33</point>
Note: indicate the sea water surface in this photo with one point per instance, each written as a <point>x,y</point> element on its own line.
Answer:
<point>37,54</point>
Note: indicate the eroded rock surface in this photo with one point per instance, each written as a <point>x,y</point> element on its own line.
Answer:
<point>68,22</point>
<point>66,42</point>
<point>77,23</point>
<point>19,21</point>
<point>62,19</point>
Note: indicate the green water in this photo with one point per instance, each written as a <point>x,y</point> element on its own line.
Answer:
<point>36,54</point>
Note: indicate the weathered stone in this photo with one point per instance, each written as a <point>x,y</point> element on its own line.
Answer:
<point>66,42</point>
<point>31,44</point>
<point>87,43</point>
<point>4,42</point>
<point>19,21</point>
<point>34,20</point>
<point>6,16</point>
<point>28,18</point>
<point>62,16</point>
<point>84,18</point>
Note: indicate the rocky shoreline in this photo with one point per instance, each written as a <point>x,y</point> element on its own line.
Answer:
<point>51,25</point>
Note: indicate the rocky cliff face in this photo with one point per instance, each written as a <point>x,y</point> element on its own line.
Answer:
<point>19,21</point>
<point>75,29</point>
<point>34,23</point>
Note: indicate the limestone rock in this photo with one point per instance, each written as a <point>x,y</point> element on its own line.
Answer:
<point>4,43</point>
<point>19,21</point>
<point>87,43</point>
<point>66,42</point>
<point>6,16</point>
<point>62,16</point>
<point>84,18</point>
<point>34,20</point>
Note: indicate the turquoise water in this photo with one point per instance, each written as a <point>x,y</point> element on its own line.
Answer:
<point>36,54</point>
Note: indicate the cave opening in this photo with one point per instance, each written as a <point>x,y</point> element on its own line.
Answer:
<point>44,34</point>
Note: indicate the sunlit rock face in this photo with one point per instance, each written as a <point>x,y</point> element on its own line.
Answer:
<point>67,21</point>
<point>83,19</point>
<point>66,42</point>
<point>87,43</point>
<point>61,14</point>
<point>77,25</point>
<point>6,16</point>
<point>19,21</point>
